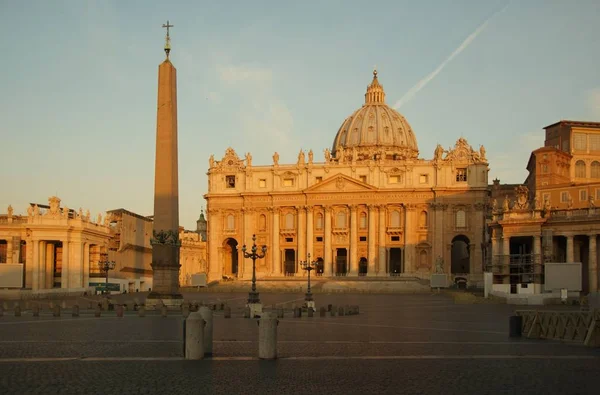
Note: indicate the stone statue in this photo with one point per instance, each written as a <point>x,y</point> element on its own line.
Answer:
<point>99,220</point>
<point>310,157</point>
<point>248,159</point>
<point>339,154</point>
<point>439,151</point>
<point>80,214</point>
<point>107,220</point>
<point>66,212</point>
<point>10,211</point>
<point>211,161</point>
<point>30,211</point>
<point>354,154</point>
<point>439,265</point>
<point>276,159</point>
<point>36,210</point>
<point>536,203</point>
<point>494,204</point>
<point>506,204</point>
<point>482,152</point>
<point>570,202</point>
<point>591,202</point>
<point>547,206</point>
<point>327,155</point>
<point>87,215</point>
<point>301,157</point>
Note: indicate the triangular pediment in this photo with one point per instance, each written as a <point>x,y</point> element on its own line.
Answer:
<point>340,183</point>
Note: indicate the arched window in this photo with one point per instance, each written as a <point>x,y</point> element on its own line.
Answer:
<point>262,222</point>
<point>289,221</point>
<point>595,169</point>
<point>319,221</point>
<point>423,219</point>
<point>230,222</point>
<point>395,219</point>
<point>580,169</point>
<point>363,220</point>
<point>340,221</point>
<point>461,219</point>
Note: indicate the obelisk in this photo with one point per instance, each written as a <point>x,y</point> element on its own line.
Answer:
<point>165,241</point>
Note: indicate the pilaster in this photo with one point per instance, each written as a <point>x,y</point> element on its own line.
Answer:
<point>327,270</point>
<point>309,231</point>
<point>275,253</point>
<point>593,264</point>
<point>301,233</point>
<point>371,242</point>
<point>382,254</point>
<point>66,266</point>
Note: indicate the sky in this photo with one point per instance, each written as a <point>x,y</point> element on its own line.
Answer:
<point>79,85</point>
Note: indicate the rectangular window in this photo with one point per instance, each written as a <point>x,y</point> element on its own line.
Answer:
<point>564,197</point>
<point>583,195</point>
<point>594,142</point>
<point>461,175</point>
<point>288,182</point>
<point>319,238</point>
<point>318,179</point>
<point>395,238</point>
<point>580,141</point>
<point>363,238</point>
<point>423,179</point>
<point>262,183</point>
<point>394,180</point>
<point>230,181</point>
<point>289,239</point>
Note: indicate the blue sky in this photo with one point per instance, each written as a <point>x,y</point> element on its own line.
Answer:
<point>78,103</point>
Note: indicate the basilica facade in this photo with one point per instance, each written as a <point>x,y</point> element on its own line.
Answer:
<point>370,207</point>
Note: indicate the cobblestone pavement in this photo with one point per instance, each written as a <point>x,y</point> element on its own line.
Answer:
<point>397,344</point>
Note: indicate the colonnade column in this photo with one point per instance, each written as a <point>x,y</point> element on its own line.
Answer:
<point>247,240</point>
<point>353,241</point>
<point>215,269</point>
<point>9,249</point>
<point>64,277</point>
<point>35,274</point>
<point>275,253</point>
<point>371,245</point>
<point>86,265</point>
<point>593,264</point>
<point>42,266</point>
<point>506,254</point>
<point>327,272</point>
<point>382,254</point>
<point>76,270</point>
<point>301,234</point>
<point>495,252</point>
<point>537,259</point>
<point>49,263</point>
<point>570,249</point>
<point>309,231</point>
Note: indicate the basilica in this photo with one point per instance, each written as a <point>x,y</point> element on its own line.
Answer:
<point>370,206</point>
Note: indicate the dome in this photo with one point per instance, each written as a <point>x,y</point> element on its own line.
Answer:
<point>375,131</point>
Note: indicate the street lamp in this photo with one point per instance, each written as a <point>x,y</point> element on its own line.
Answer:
<point>105,265</point>
<point>254,255</point>
<point>309,265</point>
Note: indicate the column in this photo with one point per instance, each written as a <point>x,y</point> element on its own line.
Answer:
<point>86,265</point>
<point>409,243</point>
<point>246,264</point>
<point>301,234</point>
<point>327,272</point>
<point>49,263</point>
<point>275,253</point>
<point>537,259</point>
<point>381,269</point>
<point>309,231</point>
<point>593,264</point>
<point>64,277</point>
<point>42,266</point>
<point>35,271</point>
<point>215,268</point>
<point>371,242</point>
<point>353,241</point>
<point>9,249</point>
<point>570,249</point>
<point>76,269</point>
<point>506,256</point>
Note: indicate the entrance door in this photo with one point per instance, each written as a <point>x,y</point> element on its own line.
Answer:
<point>395,261</point>
<point>341,260</point>
<point>290,262</point>
<point>362,266</point>
<point>320,267</point>
<point>460,255</point>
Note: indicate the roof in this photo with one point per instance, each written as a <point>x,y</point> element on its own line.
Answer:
<point>123,211</point>
<point>575,123</point>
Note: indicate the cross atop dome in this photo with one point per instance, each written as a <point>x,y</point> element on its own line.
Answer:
<point>375,93</point>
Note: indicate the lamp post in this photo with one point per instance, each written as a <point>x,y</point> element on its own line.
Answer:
<point>105,265</point>
<point>309,266</point>
<point>254,255</point>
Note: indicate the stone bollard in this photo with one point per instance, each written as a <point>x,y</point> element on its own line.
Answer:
<point>267,336</point>
<point>322,311</point>
<point>207,316</point>
<point>1,310</point>
<point>340,311</point>
<point>120,310</point>
<point>56,311</point>
<point>311,312</point>
<point>163,311</point>
<point>142,311</point>
<point>17,311</point>
<point>36,310</point>
<point>280,312</point>
<point>194,336</point>
<point>90,305</point>
<point>97,310</point>
<point>227,312</point>
<point>75,311</point>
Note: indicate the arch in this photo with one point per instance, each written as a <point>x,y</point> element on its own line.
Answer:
<point>289,221</point>
<point>262,222</point>
<point>363,266</point>
<point>340,220</point>
<point>230,223</point>
<point>580,169</point>
<point>230,257</point>
<point>460,255</point>
<point>595,169</point>
<point>319,221</point>
<point>395,219</point>
<point>363,220</point>
<point>423,219</point>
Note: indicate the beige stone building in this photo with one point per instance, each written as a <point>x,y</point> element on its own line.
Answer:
<point>552,216</point>
<point>370,207</point>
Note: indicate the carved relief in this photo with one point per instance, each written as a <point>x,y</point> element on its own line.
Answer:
<point>230,162</point>
<point>522,202</point>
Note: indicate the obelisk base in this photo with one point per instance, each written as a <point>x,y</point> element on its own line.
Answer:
<point>165,277</point>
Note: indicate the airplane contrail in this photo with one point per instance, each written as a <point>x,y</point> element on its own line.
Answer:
<point>421,84</point>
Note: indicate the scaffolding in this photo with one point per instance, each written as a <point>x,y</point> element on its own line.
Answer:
<point>517,269</point>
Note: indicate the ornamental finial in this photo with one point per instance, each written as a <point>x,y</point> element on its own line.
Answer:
<point>167,39</point>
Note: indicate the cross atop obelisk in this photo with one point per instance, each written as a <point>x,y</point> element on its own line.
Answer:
<point>167,39</point>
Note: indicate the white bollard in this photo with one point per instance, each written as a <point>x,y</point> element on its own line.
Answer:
<point>194,336</point>
<point>267,336</point>
<point>207,316</point>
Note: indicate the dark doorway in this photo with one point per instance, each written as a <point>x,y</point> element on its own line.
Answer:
<point>290,261</point>
<point>362,266</point>
<point>3,251</point>
<point>341,260</point>
<point>461,255</point>
<point>521,261</point>
<point>320,266</point>
<point>395,261</point>
<point>584,257</point>
<point>231,257</point>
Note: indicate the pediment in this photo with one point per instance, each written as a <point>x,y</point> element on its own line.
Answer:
<point>340,183</point>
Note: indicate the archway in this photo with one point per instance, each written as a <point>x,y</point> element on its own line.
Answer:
<point>395,261</point>
<point>461,255</point>
<point>290,262</point>
<point>341,258</point>
<point>362,266</point>
<point>230,257</point>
